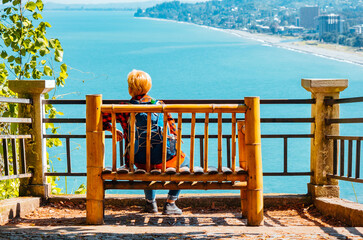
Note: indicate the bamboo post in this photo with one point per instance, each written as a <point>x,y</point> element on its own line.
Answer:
<point>219,142</point>
<point>192,140</point>
<point>242,162</point>
<point>95,138</point>
<point>321,153</point>
<point>132,141</point>
<point>114,142</point>
<point>148,141</point>
<point>178,143</point>
<point>206,142</point>
<point>233,142</point>
<point>253,153</point>
<point>165,140</point>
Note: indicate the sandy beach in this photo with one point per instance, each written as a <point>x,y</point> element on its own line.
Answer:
<point>331,51</point>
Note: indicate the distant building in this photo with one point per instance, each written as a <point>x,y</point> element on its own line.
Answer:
<point>307,17</point>
<point>329,23</point>
<point>293,30</point>
<point>358,29</point>
<point>297,22</point>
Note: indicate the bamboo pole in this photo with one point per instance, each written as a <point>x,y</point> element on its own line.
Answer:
<point>174,185</point>
<point>95,138</point>
<point>178,143</point>
<point>132,141</point>
<point>177,177</point>
<point>241,125</point>
<point>233,142</point>
<point>253,153</point>
<point>165,141</point>
<point>206,142</point>
<point>114,142</point>
<point>148,142</point>
<point>192,143</point>
<point>219,142</point>
<point>177,108</point>
<point>242,163</point>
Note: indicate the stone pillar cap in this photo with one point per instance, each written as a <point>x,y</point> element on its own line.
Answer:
<point>31,86</point>
<point>315,85</point>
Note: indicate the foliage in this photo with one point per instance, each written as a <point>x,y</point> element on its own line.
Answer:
<point>347,39</point>
<point>27,54</point>
<point>27,49</point>
<point>9,189</point>
<point>81,190</point>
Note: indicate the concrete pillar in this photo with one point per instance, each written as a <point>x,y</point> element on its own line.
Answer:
<point>36,148</point>
<point>321,152</point>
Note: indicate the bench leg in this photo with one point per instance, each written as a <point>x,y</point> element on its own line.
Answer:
<point>253,154</point>
<point>95,138</point>
<point>244,206</point>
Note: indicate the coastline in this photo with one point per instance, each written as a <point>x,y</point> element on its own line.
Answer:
<point>330,51</point>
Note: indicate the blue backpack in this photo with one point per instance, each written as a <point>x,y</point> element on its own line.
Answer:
<point>156,145</point>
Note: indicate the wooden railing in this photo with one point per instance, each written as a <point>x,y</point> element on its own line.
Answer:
<point>198,138</point>
<point>17,146</point>
<point>346,169</point>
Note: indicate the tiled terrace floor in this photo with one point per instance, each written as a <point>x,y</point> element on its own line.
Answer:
<point>66,220</point>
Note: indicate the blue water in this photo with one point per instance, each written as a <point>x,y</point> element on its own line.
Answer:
<point>192,62</point>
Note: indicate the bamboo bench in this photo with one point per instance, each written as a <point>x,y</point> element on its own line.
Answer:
<point>247,176</point>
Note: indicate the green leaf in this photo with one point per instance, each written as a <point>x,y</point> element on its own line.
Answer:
<point>16,2</point>
<point>18,60</point>
<point>52,42</point>
<point>8,10</point>
<point>48,71</point>
<point>63,67</point>
<point>43,51</point>
<point>27,75</point>
<point>3,54</point>
<point>37,16</point>
<point>30,6</point>
<point>6,1</point>
<point>40,5</point>
<point>63,75</point>
<point>43,62</point>
<point>58,55</point>
<point>81,189</point>
<point>11,59</point>
<point>14,18</point>
<point>7,42</point>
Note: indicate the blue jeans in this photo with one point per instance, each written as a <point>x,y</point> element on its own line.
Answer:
<point>172,194</point>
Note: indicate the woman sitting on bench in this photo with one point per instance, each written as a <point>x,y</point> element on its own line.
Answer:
<point>139,84</point>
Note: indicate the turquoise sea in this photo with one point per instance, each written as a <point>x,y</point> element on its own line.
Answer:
<point>192,62</point>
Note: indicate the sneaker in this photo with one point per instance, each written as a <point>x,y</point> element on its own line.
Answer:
<point>151,207</point>
<point>171,208</point>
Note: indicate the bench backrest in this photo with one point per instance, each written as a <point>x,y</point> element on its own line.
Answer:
<point>180,109</point>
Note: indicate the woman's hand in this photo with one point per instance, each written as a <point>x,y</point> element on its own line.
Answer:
<point>119,135</point>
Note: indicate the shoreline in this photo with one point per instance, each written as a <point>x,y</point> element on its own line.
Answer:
<point>324,50</point>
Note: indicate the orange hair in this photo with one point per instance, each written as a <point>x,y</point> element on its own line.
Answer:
<point>139,82</point>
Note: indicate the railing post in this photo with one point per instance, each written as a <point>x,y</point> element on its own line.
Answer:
<point>321,152</point>
<point>35,149</point>
<point>254,158</point>
<point>95,140</point>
